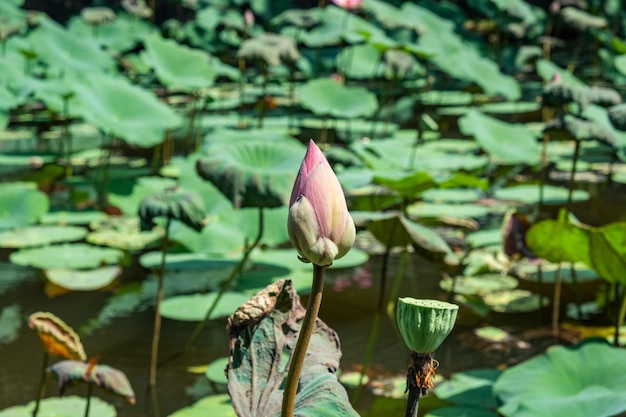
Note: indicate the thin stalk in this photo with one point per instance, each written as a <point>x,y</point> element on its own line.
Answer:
<point>88,399</point>
<point>227,284</point>
<point>412,403</point>
<point>556,302</point>
<point>192,119</point>
<point>297,358</point>
<point>575,288</point>
<point>572,175</point>
<point>263,109</point>
<point>620,318</point>
<point>242,70</point>
<point>42,383</point>
<point>157,313</point>
<point>66,137</point>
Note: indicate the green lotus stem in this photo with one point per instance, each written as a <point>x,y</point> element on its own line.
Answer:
<point>157,313</point>
<point>620,316</point>
<point>227,283</point>
<point>556,302</point>
<point>263,109</point>
<point>192,118</point>
<point>299,353</point>
<point>88,399</point>
<point>575,285</point>
<point>242,70</point>
<point>42,383</point>
<point>568,206</point>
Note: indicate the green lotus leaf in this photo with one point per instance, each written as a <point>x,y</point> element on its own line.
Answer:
<point>122,232</point>
<point>70,256</point>
<point>326,97</point>
<point>617,116</point>
<point>507,143</point>
<point>406,184</point>
<point>530,193</point>
<point>607,251</point>
<point>40,235</point>
<point>21,205</point>
<point>470,388</point>
<point>514,301</point>
<point>460,411</point>
<point>510,107</point>
<point>127,195</point>
<point>12,276</point>
<point>216,371</point>
<point>438,210</point>
<point>359,61</point>
<point>215,405</point>
<point>570,127</point>
<point>10,324</point>
<point>438,98</point>
<point>559,241</point>
<point>69,406</point>
<point>83,280</point>
<point>563,382</point>
<point>478,284</point>
<point>271,48</point>
<point>302,18</point>
<point>183,205</point>
<point>601,116</point>
<point>528,270</point>
<point>451,195</point>
<point>194,307</point>
<point>62,50</point>
<point>582,20</point>
<point>119,35</point>
<point>178,67</point>
<point>254,173</point>
<point>119,108</point>
<point>482,238</point>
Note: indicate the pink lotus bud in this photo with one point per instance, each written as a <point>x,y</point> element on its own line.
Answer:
<point>319,224</point>
<point>348,4</point>
<point>248,17</point>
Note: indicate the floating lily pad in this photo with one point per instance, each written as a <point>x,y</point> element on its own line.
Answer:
<point>482,238</point>
<point>83,280</point>
<point>437,210</point>
<point>492,334</point>
<point>460,412</point>
<point>530,271</point>
<point>451,195</point>
<point>194,307</point>
<point>324,96</point>
<point>514,301</point>
<point>185,262</point>
<point>472,388</point>
<point>511,107</point>
<point>21,204</point>
<point>216,372</point>
<point>479,284</point>
<point>122,232</point>
<point>72,256</point>
<point>529,194</point>
<point>214,405</point>
<point>70,406</point>
<point>40,235</point>
<point>10,324</point>
<point>72,217</point>
<point>562,379</point>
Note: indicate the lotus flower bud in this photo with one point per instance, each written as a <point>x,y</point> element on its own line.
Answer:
<point>319,224</point>
<point>424,324</point>
<point>348,4</point>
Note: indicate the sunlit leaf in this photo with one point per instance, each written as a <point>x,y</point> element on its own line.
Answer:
<point>40,235</point>
<point>83,280</point>
<point>215,405</point>
<point>324,96</point>
<point>119,108</point>
<point>562,381</point>
<point>20,205</point>
<point>74,256</point>
<point>194,307</point>
<point>70,406</point>
<point>58,338</point>
<point>472,387</point>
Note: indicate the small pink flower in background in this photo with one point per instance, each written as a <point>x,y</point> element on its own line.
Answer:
<point>248,17</point>
<point>319,224</point>
<point>348,4</point>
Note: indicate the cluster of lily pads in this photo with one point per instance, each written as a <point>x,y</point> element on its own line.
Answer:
<point>176,145</point>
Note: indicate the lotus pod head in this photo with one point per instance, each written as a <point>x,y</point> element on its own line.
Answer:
<point>424,324</point>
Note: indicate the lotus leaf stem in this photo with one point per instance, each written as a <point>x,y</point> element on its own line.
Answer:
<point>157,314</point>
<point>568,206</point>
<point>227,283</point>
<point>299,353</point>
<point>88,399</point>
<point>556,302</point>
<point>42,383</point>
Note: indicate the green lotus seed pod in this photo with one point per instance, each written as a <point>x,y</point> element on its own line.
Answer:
<point>424,324</point>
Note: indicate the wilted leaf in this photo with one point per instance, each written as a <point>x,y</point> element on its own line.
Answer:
<point>256,370</point>
<point>57,337</point>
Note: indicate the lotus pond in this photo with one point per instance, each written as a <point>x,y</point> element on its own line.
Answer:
<point>147,157</point>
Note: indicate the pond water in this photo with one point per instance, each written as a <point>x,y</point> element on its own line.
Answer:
<point>349,304</point>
